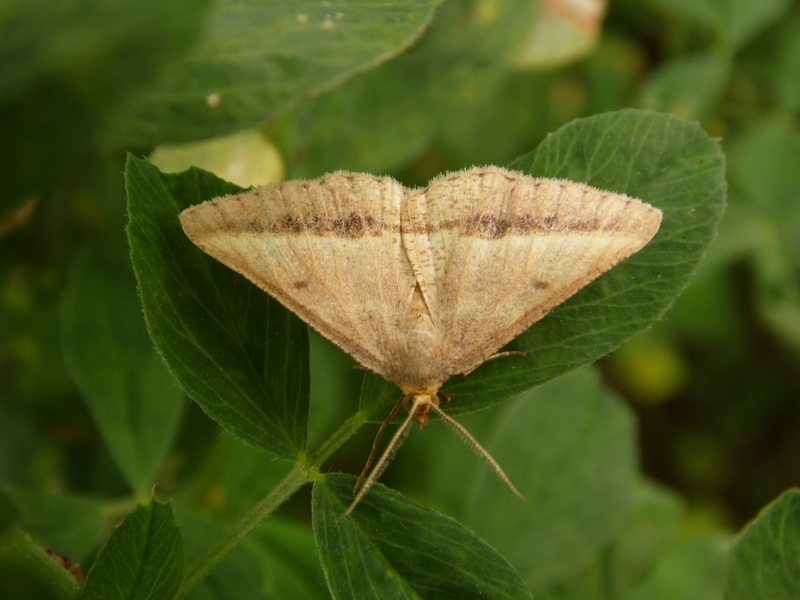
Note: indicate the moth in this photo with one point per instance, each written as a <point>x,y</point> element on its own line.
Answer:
<point>420,285</point>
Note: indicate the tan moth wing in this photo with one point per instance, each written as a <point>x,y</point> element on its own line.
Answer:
<point>420,285</point>
<point>494,251</point>
<point>329,250</point>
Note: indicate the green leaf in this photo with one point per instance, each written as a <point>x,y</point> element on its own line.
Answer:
<point>142,558</point>
<point>289,561</point>
<point>377,397</point>
<point>237,353</point>
<point>619,568</point>
<point>65,64</point>
<point>687,87</point>
<point>390,547</point>
<point>787,64</point>
<point>650,529</point>
<point>664,161</point>
<point>71,525</point>
<point>570,448</point>
<point>254,58</point>
<point>737,21</point>
<point>693,570</point>
<point>764,166</point>
<point>238,576</point>
<point>9,513</point>
<point>380,120</point>
<point>134,400</point>
<point>765,561</point>
<point>243,475</point>
<point>27,570</point>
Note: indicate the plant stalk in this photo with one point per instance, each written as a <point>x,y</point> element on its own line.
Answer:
<point>303,472</point>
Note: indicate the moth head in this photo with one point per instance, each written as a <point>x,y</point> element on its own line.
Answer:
<point>423,400</point>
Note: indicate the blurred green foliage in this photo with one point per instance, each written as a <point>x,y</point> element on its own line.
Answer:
<point>92,423</point>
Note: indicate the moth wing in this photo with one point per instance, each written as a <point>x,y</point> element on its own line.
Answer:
<point>494,251</point>
<point>329,250</point>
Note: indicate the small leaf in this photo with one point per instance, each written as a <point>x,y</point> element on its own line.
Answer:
<point>71,525</point>
<point>787,62</point>
<point>737,21</point>
<point>693,569</point>
<point>687,87</point>
<point>658,158</point>
<point>570,448</point>
<point>764,166</point>
<point>765,560</point>
<point>237,353</point>
<point>142,558</point>
<point>254,58</point>
<point>27,570</point>
<point>134,400</point>
<point>390,547</point>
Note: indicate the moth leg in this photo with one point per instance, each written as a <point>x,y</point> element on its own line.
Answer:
<point>394,445</point>
<point>377,442</point>
<point>493,356</point>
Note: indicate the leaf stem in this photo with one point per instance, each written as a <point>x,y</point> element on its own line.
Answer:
<point>293,481</point>
<point>19,551</point>
<point>324,451</point>
<point>304,471</point>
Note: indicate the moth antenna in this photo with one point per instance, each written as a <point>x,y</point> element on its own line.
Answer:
<point>377,442</point>
<point>476,448</point>
<point>394,445</point>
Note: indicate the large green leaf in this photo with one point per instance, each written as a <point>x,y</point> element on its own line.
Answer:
<point>651,528</point>
<point>390,547</point>
<point>237,353</point>
<point>255,57</point>
<point>765,561</point>
<point>134,400</point>
<point>667,162</point>
<point>142,558</point>
<point>378,121</point>
<point>570,448</point>
<point>619,568</point>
